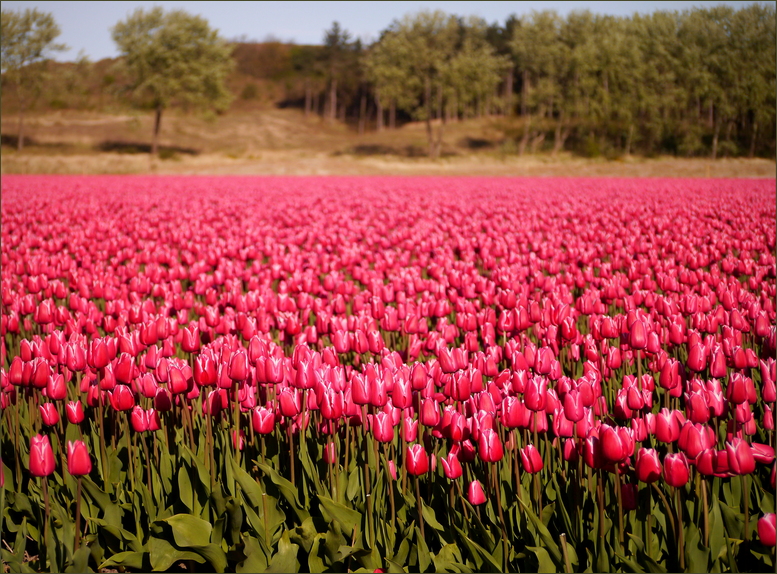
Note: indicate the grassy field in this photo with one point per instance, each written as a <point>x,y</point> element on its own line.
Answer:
<point>283,141</point>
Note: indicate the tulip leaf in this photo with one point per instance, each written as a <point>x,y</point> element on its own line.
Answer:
<point>732,520</point>
<point>430,518</point>
<point>163,554</point>
<point>125,559</point>
<point>316,554</point>
<point>248,485</point>
<point>348,518</point>
<point>545,562</point>
<point>696,556</point>
<point>255,558</point>
<point>189,530</point>
<point>548,542</point>
<point>285,560</point>
<point>630,564</point>
<point>287,489</point>
<point>353,489</point>
<point>478,552</point>
<point>424,558</point>
<point>393,567</point>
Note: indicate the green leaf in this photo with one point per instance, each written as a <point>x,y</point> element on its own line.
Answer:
<point>424,558</point>
<point>393,567</point>
<point>546,564</point>
<point>287,489</point>
<point>255,558</point>
<point>316,554</point>
<point>348,518</point>
<point>547,540</point>
<point>430,518</point>
<point>189,530</point>
<point>248,485</point>
<point>697,557</point>
<point>163,555</point>
<point>185,486</point>
<point>126,559</point>
<point>630,564</point>
<point>478,551</point>
<point>285,560</point>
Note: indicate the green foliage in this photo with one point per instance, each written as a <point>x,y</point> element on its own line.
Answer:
<point>26,40</point>
<point>174,57</point>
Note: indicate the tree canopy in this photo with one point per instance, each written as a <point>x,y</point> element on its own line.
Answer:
<point>174,58</point>
<point>26,40</point>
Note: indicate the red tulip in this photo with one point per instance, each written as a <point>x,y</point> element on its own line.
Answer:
<point>41,456</point>
<point>740,456</point>
<point>382,427</point>
<point>489,446</point>
<point>648,465</point>
<point>613,448</point>
<point>49,414</point>
<point>536,393</point>
<point>694,438</point>
<point>238,366</point>
<point>638,335</point>
<point>263,420</point>
<point>767,525</point>
<point>531,459</point>
<point>573,406</point>
<point>475,494</point>
<point>762,453</point>
<point>676,471</point>
<point>75,412</point>
<point>122,398</point>
<point>416,460</point>
<point>79,462</point>
<point>629,496</point>
<point>451,466</point>
<point>56,389</point>
<point>430,413</point>
<point>667,426</point>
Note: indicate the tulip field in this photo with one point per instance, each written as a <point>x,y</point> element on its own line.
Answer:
<point>387,374</point>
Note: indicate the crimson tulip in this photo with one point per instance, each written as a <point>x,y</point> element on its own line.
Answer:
<point>740,456</point>
<point>416,460</point>
<point>531,459</point>
<point>475,494</point>
<point>49,414</point>
<point>75,412</point>
<point>451,466</point>
<point>79,462</point>
<point>41,456</point>
<point>648,465</point>
<point>766,529</point>
<point>489,446</point>
<point>676,471</point>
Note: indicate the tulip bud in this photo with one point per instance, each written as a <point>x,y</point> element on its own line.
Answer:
<point>75,412</point>
<point>531,459</point>
<point>676,471</point>
<point>766,529</point>
<point>489,446</point>
<point>79,462</point>
<point>451,466</point>
<point>648,465</point>
<point>49,414</point>
<point>417,460</point>
<point>41,456</point>
<point>475,494</point>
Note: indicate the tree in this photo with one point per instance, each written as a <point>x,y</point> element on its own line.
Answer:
<point>26,39</point>
<point>174,58</point>
<point>425,62</point>
<point>336,48</point>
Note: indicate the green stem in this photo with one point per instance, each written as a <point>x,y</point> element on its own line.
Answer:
<point>418,505</point>
<point>78,513</point>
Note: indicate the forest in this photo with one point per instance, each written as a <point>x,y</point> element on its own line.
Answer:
<point>696,83</point>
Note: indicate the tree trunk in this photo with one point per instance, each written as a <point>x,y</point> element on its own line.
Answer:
<point>628,140</point>
<point>508,105</point>
<point>560,136</point>
<point>308,99</point>
<point>751,153</point>
<point>525,93</point>
<point>525,138</point>
<point>379,108</point>
<point>362,112</point>
<point>20,141</point>
<point>393,115</point>
<point>333,100</point>
<point>715,140</point>
<point>157,125</point>
<point>428,106</point>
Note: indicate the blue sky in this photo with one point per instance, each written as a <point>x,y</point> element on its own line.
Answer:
<point>86,25</point>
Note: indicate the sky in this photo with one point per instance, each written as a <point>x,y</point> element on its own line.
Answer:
<point>86,26</point>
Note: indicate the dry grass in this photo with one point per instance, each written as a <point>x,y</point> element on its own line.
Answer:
<point>273,141</point>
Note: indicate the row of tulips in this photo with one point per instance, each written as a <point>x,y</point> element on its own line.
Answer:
<point>430,403</point>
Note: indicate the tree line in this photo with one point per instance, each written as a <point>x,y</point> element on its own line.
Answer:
<point>700,82</point>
